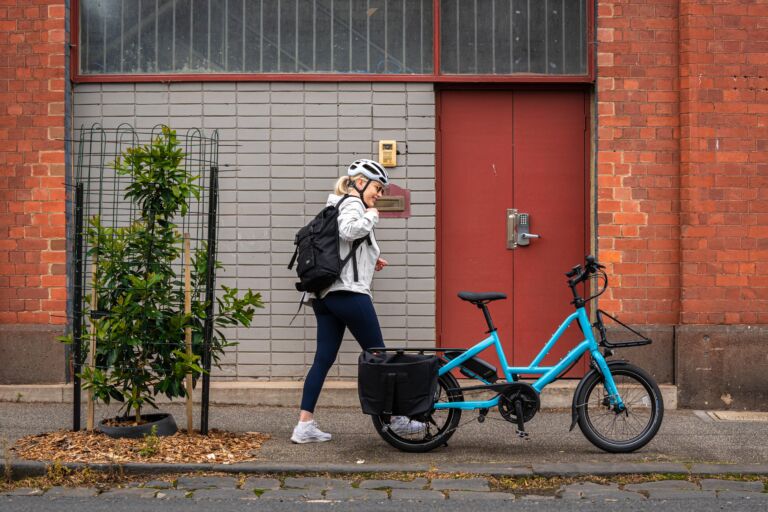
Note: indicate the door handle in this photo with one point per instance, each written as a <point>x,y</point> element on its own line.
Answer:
<point>518,229</point>
<point>511,228</point>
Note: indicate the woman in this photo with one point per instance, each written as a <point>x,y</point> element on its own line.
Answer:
<point>347,303</point>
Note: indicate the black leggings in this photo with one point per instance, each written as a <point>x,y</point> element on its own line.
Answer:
<point>334,313</point>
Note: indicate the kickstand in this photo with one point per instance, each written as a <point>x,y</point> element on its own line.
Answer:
<point>520,425</point>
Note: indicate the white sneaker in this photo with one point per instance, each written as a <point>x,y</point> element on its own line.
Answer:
<point>307,432</point>
<point>403,426</point>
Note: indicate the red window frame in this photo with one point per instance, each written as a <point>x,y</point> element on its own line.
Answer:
<point>435,76</point>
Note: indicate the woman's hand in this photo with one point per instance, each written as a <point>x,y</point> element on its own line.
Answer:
<point>380,264</point>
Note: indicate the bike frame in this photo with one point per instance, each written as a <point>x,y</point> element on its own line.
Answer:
<point>548,373</point>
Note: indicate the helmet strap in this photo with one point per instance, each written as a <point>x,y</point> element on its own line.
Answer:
<point>362,191</point>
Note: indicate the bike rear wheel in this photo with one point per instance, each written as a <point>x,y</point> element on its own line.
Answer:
<point>627,430</point>
<point>440,424</point>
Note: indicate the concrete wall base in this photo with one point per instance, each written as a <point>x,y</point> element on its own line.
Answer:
<point>723,367</point>
<point>31,354</point>
<point>558,395</point>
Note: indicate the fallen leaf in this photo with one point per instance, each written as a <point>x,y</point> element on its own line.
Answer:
<point>95,447</point>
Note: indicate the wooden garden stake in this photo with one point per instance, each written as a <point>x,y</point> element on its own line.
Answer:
<point>92,349</point>
<point>188,329</point>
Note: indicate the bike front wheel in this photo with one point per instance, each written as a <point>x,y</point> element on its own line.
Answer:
<point>620,431</point>
<point>439,424</point>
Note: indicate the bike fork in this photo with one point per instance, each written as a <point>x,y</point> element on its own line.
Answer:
<point>614,399</point>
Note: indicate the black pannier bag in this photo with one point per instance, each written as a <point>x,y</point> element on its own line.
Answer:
<point>397,383</point>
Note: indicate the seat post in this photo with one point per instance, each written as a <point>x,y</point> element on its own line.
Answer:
<point>488,320</point>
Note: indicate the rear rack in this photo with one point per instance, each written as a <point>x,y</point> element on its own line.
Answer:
<point>607,344</point>
<point>403,350</point>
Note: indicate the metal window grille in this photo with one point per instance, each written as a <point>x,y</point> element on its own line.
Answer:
<point>504,37</point>
<point>255,36</point>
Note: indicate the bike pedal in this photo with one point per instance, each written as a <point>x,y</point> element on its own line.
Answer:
<point>522,434</point>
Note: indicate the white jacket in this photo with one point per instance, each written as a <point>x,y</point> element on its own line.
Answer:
<point>354,223</point>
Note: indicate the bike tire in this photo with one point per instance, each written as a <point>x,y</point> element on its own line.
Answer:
<point>644,405</point>
<point>446,421</point>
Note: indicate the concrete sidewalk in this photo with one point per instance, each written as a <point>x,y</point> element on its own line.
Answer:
<point>689,441</point>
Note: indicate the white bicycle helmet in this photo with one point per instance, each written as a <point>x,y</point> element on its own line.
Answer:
<point>370,169</point>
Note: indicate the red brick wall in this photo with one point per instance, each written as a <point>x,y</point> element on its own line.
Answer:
<point>32,195</point>
<point>682,131</point>
<point>724,161</point>
<point>638,158</point>
<point>683,159</point>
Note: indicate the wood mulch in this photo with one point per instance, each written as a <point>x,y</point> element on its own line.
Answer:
<point>217,447</point>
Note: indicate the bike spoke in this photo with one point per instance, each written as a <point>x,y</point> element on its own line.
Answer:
<point>624,426</point>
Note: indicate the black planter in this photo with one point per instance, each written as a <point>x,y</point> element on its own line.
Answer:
<point>165,424</point>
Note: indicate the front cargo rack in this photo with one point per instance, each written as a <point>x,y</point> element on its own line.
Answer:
<point>603,336</point>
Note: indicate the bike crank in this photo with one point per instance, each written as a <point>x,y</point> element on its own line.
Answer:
<point>519,403</point>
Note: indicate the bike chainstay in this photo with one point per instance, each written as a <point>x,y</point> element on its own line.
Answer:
<point>499,388</point>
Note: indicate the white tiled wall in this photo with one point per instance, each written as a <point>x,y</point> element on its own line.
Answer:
<point>282,147</point>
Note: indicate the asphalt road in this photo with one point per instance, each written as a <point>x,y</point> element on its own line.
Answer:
<point>685,436</point>
<point>36,504</point>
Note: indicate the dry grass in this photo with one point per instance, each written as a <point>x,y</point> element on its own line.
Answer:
<point>549,485</point>
<point>58,475</point>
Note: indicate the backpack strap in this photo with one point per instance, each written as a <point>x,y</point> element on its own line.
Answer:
<point>352,253</point>
<point>293,259</point>
<point>301,303</point>
<point>354,264</point>
<point>338,205</point>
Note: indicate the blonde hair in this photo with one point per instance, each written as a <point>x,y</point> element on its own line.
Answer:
<point>344,183</point>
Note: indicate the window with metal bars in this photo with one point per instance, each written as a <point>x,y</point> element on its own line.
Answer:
<point>477,37</point>
<point>256,36</point>
<point>502,37</point>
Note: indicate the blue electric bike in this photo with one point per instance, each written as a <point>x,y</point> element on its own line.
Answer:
<point>617,405</point>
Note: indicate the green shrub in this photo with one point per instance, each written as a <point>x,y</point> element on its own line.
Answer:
<point>139,319</point>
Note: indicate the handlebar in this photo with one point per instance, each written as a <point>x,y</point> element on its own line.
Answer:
<point>578,274</point>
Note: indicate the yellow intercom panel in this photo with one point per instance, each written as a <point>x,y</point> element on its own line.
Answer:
<point>388,153</point>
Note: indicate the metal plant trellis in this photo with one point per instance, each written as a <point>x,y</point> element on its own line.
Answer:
<point>100,191</point>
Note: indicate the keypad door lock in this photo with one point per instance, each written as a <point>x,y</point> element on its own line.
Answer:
<point>518,229</point>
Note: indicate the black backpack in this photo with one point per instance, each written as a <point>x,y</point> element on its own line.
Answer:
<point>317,255</point>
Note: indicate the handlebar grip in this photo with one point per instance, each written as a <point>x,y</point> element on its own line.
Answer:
<point>574,271</point>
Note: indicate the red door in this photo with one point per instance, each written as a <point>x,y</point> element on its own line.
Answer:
<point>500,150</point>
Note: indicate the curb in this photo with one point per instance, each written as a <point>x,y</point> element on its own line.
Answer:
<point>336,393</point>
<point>24,469</point>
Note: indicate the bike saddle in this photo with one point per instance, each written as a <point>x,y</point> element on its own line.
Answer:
<point>481,296</point>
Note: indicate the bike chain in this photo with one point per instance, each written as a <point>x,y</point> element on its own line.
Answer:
<point>473,419</point>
